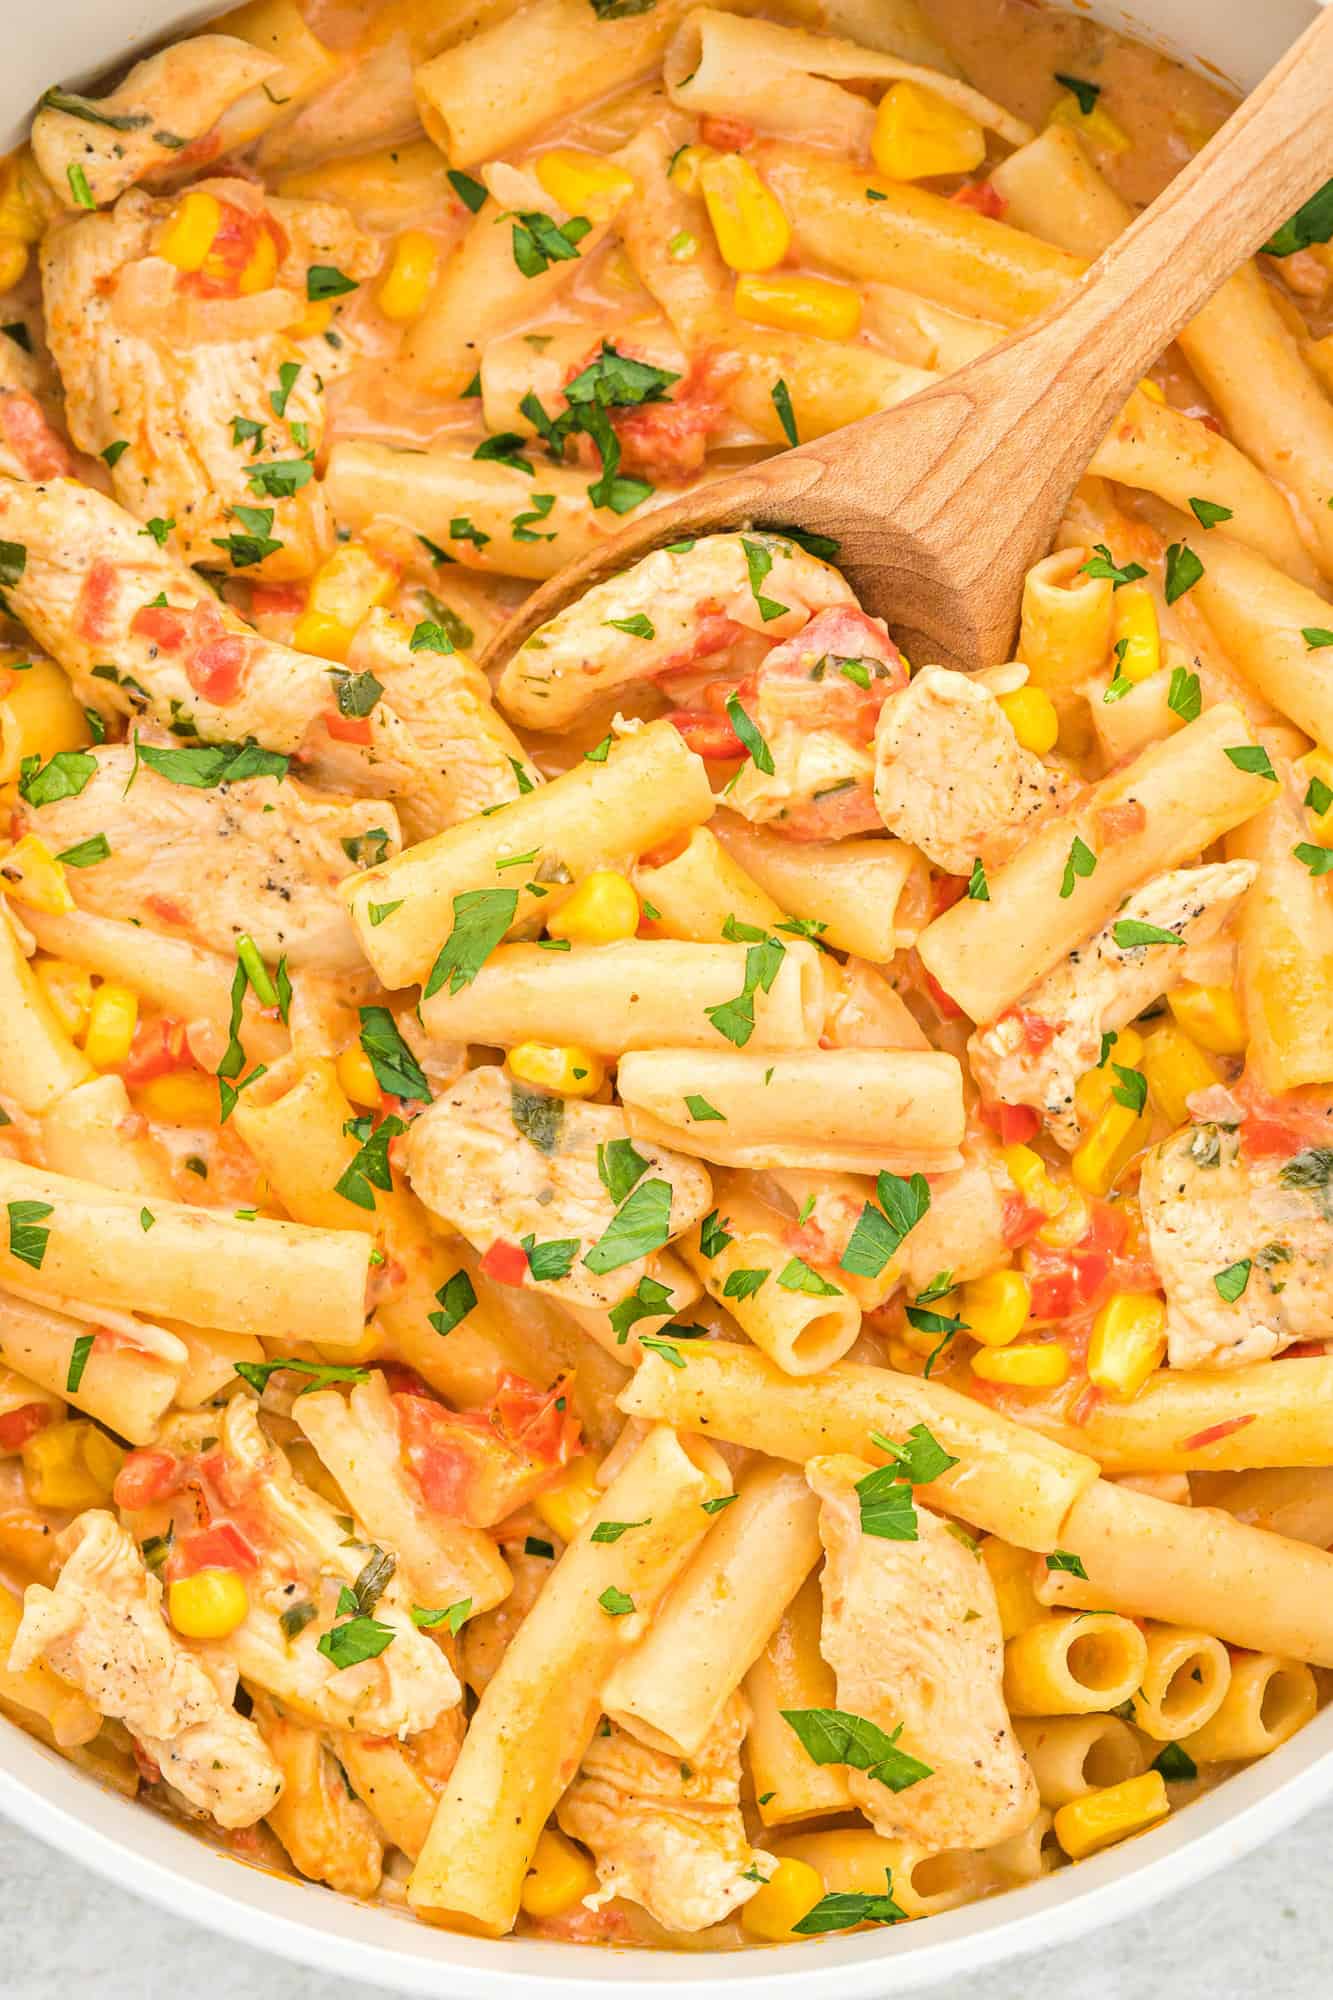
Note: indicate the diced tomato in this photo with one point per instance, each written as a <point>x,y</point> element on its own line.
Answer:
<point>1021,1220</point>
<point>945,891</point>
<point>786,680</point>
<point>1118,822</point>
<point>146,1477</point>
<point>481,1465</point>
<point>216,661</point>
<point>1038,1033</point>
<point>221,1546</point>
<point>667,441</point>
<point>728,135</point>
<point>17,1426</point>
<point>709,736</point>
<point>1074,1279</point>
<point>159,1048</point>
<point>670,850</point>
<point>1282,1123</point>
<point>167,909</point>
<point>984,197</point>
<point>160,625</point>
<point>714,632</point>
<point>277,600</point>
<point>98,594</point>
<point>1015,1123</point>
<point>948,1008</point>
<point>1214,1433</point>
<point>236,242</point>
<point>39,449</point>
<point>505,1263</point>
<point>1303,1350</point>
<point>347,728</point>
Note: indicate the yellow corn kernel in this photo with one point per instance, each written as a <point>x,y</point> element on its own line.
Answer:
<point>1027,1171</point>
<point>13,261</point>
<point>25,199</point>
<point>1210,1016</point>
<point>560,1876</point>
<point>410,277</point>
<point>799,305</point>
<point>1135,624</point>
<point>1032,1364</point>
<point>1128,1342</point>
<point>186,237</point>
<point>69,988</point>
<point>111,1024</point>
<point>1092,1093</point>
<point>1033,718</point>
<point>1071,1224</point>
<point>1097,126</point>
<point>186,1098</point>
<point>102,1456</point>
<point>357,1077</point>
<point>261,267</point>
<point>32,875</point>
<point>563,1067</point>
<point>343,591</point>
<point>316,317</point>
<point>209,1605</point>
<point>789,1894</point>
<point>752,232</point>
<point>1150,388</point>
<point>1112,1142</point>
<point>687,164</point>
<point>603,909</point>
<point>39,714</point>
<point>1099,1819</point>
<point>1175,1068</point>
<point>566,1505</point>
<point>918,134</point>
<point>1011,1574</point>
<point>60,1471</point>
<point>996,1307</point>
<point>584,183</point>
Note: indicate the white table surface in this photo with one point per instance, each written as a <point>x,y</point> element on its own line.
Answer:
<point>1266,1924</point>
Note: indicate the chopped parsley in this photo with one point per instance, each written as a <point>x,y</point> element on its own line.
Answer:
<point>1102,564</point>
<point>880,1229</point>
<point>396,1068</point>
<point>1183,570</point>
<point>1080,862</point>
<point>481,919</point>
<point>27,1237</point>
<point>835,1736</point>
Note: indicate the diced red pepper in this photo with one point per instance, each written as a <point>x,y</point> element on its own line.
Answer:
<point>17,1426</point>
<point>728,135</point>
<point>709,736</point>
<point>222,1546</point>
<point>984,197</point>
<point>1015,1123</point>
<point>505,1263</point>
<point>146,1477</point>
<point>347,728</point>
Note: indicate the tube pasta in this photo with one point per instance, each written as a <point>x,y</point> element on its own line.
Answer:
<point>92,1131</point>
<point>1073,1665</point>
<point>1189,793</point>
<point>849,1110</point>
<point>684,1288</point>
<point>1052,189</point>
<point>538,1712</point>
<point>649,789</point>
<point>860,891</point>
<point>853,1860</point>
<point>205,1267</point>
<point>1065,634</point>
<point>634,994</point>
<point>1007,1482</point>
<point>38,1061</point>
<point>1259,615</point>
<point>1183,1684</point>
<point>802,1330</point>
<point>791,1672</point>
<point>720,1613</point>
<point>1286,952</point>
<point>121,1386</point>
<point>1195,1566</point>
<point>1071,1755</point>
<point>694,892</point>
<point>1268,1699</point>
<point>1289,1500</point>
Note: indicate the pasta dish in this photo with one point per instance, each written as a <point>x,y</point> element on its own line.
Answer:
<point>672,1295</point>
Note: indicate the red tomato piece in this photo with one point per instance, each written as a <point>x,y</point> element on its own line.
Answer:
<point>231,250</point>
<point>505,1263</point>
<point>17,1426</point>
<point>709,736</point>
<point>277,600</point>
<point>98,594</point>
<point>1072,1280</point>
<point>39,449</point>
<point>158,1048</point>
<point>949,1008</point>
<point>666,441</point>
<point>216,662</point>
<point>481,1465</point>
<point>1015,1123</point>
<point>945,891</point>
<point>984,197</point>
<point>729,135</point>
<point>221,1546</point>
<point>160,625</point>
<point>347,728</point>
<point>144,1478</point>
<point>1021,1220</point>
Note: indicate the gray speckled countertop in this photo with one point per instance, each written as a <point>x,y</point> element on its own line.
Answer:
<point>1268,1921</point>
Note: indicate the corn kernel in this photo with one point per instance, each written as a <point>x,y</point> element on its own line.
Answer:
<point>1097,126</point>
<point>13,261</point>
<point>187,1097</point>
<point>102,1456</point>
<point>1033,718</point>
<point>789,1894</point>
<point>410,278</point>
<point>343,591</point>
<point>69,989</point>
<point>1175,1068</point>
<point>566,1505</point>
<point>32,875</point>
<point>111,1024</point>
<point>1210,1016</point>
<point>186,237</point>
<point>752,232</point>
<point>60,1470</point>
<point>1027,1171</point>
<point>25,199</point>
<point>584,183</point>
<point>316,318</point>
<point>1135,624</point>
<point>687,164</point>
<point>996,1307</point>
<point>208,1605</point>
<point>1109,1146</point>
<point>603,909</point>
<point>1011,1574</point>
<point>918,134</point>
<point>560,1876</point>
<point>1031,1365</point>
<point>1128,1342</point>
<point>1071,1223</point>
<point>39,714</point>
<point>799,305</point>
<point>1100,1818</point>
<point>357,1078</point>
<point>1092,1092</point>
<point>565,1068</point>
<point>260,268</point>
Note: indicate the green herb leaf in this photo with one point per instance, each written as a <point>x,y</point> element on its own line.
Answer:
<point>1086,93</point>
<point>978,888</point>
<point>879,1231</point>
<point>87,853</point>
<point>539,1117</point>
<point>63,776</point>
<point>1063,1559</point>
<point>533,1545</point>
<point>470,192</point>
<point>359,1639</point>
<point>1252,757</point>
<point>743,1284</point>
<point>78,1361</point>
<point>620,1168</point>
<point>456,1297</point>
<point>758,563</point>
<point>640,1225</point>
<point>702,1112</point>
<point>887,1511</point>
<point>836,1736</point>
<point>713,1237</point>
<point>1129,934</point>
<point>921,1458</point>
<point>481,919</point>
<point>781,395</point>
<point>326,281</point>
<point>1319,860</point>
<point>1102,564</point>
<point>205,765</point>
<point>1184,697</point>
<point>454,1617</point>
<point>27,1238</point>
<point>846,1908</point>
<point>366,849</point>
<point>650,1299</point>
<point>321,1373</point>
<point>1312,223</point>
<point>797,1276</point>
<point>1208,514</point>
<point>1316,637</point>
<point>637,627</point>
<point>1175,1764</point>
<point>552,1260</point>
<point>295,1618</point>
<point>78,186</point>
<point>1183,570</point>
<point>611,1531</point>
<point>616,1603</point>
<point>368,1168</point>
<point>505,448</point>
<point>288,375</point>
<point>396,1068</point>
<point>1132,1089</point>
<point>1081,861</point>
<point>279,478</point>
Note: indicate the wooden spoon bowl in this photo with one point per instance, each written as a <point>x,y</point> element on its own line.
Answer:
<point>940,505</point>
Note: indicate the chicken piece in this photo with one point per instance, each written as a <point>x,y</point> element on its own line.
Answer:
<point>102,1628</point>
<point>668,1835</point>
<point>167,102</point>
<point>1243,1245</point>
<point>500,1163</point>
<point>329,1835</point>
<point>256,856</point>
<point>699,603</point>
<point>1036,1052</point>
<point>470,757</point>
<point>912,1632</point>
<point>401,1783</point>
<point>196,373</point>
<point>445,1556</point>
<point>950,773</point>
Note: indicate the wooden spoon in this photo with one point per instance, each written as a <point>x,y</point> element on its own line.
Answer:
<point>941,504</point>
